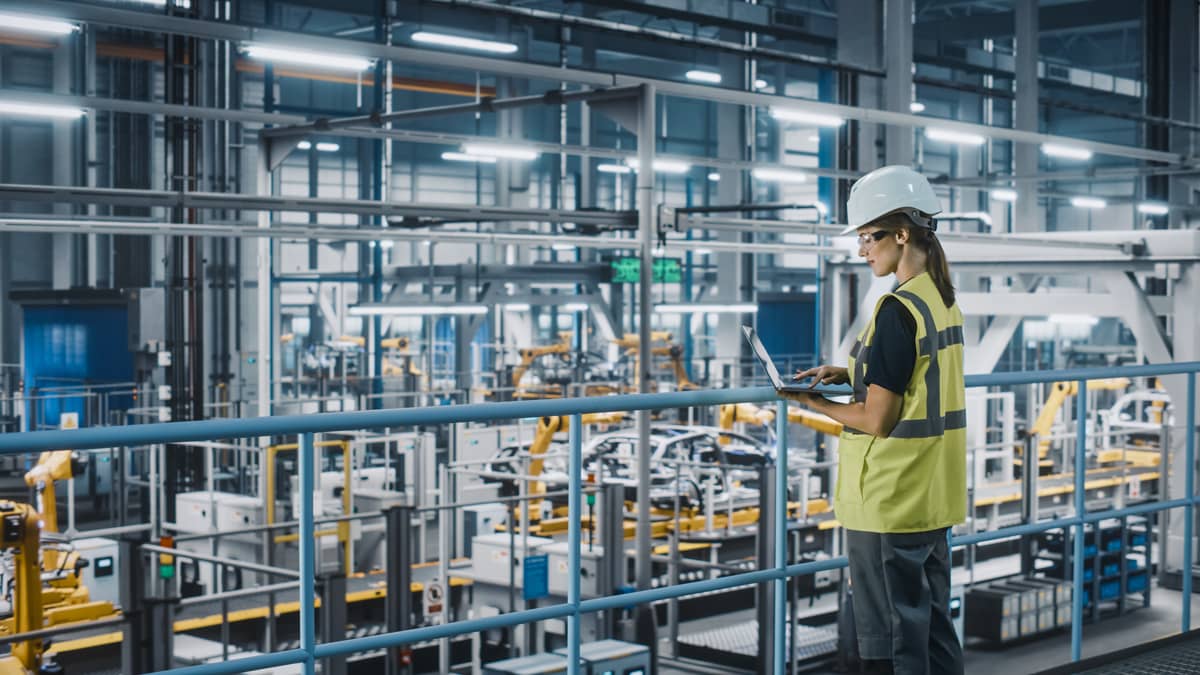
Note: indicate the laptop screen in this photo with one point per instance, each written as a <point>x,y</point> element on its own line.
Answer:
<point>763,357</point>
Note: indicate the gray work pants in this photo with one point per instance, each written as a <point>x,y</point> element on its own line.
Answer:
<point>902,601</point>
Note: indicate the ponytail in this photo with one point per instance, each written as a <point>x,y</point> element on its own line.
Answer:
<point>937,266</point>
<point>926,240</point>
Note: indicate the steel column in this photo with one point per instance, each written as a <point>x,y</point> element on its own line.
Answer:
<point>574,467</point>
<point>1025,156</point>
<point>1189,513</point>
<point>308,640</point>
<point>646,227</point>
<point>781,547</point>
<point>1081,424</point>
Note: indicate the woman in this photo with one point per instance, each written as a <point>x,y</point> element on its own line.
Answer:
<point>902,456</point>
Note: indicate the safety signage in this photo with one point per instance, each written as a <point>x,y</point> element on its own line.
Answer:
<point>537,577</point>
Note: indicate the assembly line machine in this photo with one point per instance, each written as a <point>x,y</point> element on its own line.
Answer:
<point>471,520</point>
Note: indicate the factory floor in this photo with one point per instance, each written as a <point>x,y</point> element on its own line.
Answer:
<point>1159,620</point>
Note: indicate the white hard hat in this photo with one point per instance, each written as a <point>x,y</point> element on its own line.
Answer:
<point>888,190</point>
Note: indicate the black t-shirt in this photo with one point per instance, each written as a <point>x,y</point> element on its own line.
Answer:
<point>893,354</point>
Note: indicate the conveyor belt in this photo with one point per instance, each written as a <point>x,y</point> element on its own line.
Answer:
<point>1176,655</point>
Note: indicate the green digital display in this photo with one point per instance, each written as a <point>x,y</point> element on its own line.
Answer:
<point>628,271</point>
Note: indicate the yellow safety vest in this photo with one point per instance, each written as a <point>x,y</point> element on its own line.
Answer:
<point>916,479</point>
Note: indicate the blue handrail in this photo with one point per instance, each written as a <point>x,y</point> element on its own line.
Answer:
<point>307,425</point>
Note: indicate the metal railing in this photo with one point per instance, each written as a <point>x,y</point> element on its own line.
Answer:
<point>572,610</point>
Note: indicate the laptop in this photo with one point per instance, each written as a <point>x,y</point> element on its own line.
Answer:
<point>765,359</point>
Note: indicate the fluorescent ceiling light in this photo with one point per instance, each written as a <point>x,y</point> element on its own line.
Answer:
<point>916,107</point>
<point>1153,208</point>
<point>664,165</point>
<point>807,117</point>
<point>1003,194</point>
<point>464,157</point>
<point>706,76</point>
<point>779,175</point>
<point>1066,151</point>
<point>516,306</point>
<point>417,310</point>
<point>445,40</point>
<point>1088,203</point>
<point>701,308</point>
<point>714,176</point>
<point>613,168</point>
<point>761,84</point>
<point>702,251</point>
<point>949,136</point>
<point>321,147</point>
<point>1073,319</point>
<point>321,60</point>
<point>40,111</point>
<point>575,307</point>
<point>29,24</point>
<point>500,150</point>
<point>563,247</point>
<point>808,288</point>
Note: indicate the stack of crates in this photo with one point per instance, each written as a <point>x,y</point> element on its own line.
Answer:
<point>1016,608</point>
<point>1115,552</point>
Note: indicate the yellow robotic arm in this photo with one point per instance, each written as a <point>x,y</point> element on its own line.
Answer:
<point>752,414</point>
<point>1059,392</point>
<point>19,531</point>
<point>52,465</point>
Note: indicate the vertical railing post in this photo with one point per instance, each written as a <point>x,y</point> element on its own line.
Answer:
<point>308,640</point>
<point>781,547</point>
<point>1081,422</point>
<point>1190,510</point>
<point>574,469</point>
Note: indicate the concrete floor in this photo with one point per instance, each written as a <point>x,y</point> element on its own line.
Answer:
<point>1159,620</point>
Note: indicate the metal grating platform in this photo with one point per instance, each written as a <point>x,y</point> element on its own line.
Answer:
<point>737,644</point>
<point>1176,655</point>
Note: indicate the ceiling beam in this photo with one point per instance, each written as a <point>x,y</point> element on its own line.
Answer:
<point>550,74</point>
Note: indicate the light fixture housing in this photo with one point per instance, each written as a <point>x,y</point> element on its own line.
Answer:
<point>38,110</point>
<point>1153,208</point>
<point>942,135</point>
<point>706,308</point>
<point>1066,152</point>
<point>663,165</point>
<point>575,307</point>
<point>465,157</point>
<point>22,23</point>
<point>761,84</point>
<point>805,117</point>
<point>613,168</point>
<point>308,59</point>
<point>714,176</point>
<point>1088,202</point>
<point>705,76</point>
<point>1003,194</point>
<point>461,42</point>
<point>916,107</point>
<point>771,174</point>
<point>501,151</point>
<point>322,146</point>
<point>417,310</point>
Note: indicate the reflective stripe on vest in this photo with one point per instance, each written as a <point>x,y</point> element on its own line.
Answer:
<point>934,423</point>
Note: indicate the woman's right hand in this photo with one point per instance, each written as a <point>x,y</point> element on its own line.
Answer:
<point>824,375</point>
